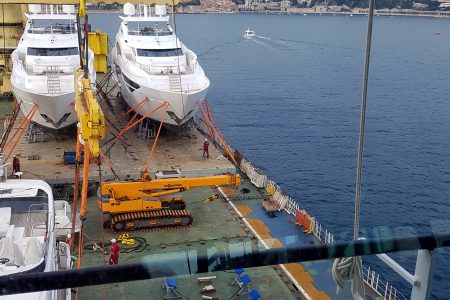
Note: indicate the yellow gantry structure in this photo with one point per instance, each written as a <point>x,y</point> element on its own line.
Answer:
<point>90,116</point>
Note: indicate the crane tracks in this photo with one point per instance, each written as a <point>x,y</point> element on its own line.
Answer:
<point>151,220</point>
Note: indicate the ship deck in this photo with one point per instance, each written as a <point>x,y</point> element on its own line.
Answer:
<point>234,224</point>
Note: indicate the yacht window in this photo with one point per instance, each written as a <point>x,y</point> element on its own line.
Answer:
<point>159,52</point>
<point>52,51</point>
<point>131,84</point>
<point>25,204</point>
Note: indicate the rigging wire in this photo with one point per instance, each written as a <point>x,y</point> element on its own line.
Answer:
<point>99,163</point>
<point>178,57</point>
<point>346,269</point>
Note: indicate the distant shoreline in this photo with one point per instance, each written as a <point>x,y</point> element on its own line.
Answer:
<point>311,11</point>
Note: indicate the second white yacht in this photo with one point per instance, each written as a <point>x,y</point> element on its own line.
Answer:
<point>44,64</point>
<point>150,62</point>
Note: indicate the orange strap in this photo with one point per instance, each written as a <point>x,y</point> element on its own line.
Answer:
<point>217,134</point>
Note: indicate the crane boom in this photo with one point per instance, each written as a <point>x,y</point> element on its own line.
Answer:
<point>136,189</point>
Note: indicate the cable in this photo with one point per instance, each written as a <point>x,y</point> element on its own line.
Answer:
<point>349,269</point>
<point>178,57</point>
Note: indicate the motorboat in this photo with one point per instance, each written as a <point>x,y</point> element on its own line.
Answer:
<point>28,242</point>
<point>152,66</point>
<point>44,64</point>
<point>248,34</point>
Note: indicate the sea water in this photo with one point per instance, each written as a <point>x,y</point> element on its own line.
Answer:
<point>289,99</point>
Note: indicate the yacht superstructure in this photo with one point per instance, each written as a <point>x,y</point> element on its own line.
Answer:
<point>150,62</point>
<point>27,232</point>
<point>44,64</point>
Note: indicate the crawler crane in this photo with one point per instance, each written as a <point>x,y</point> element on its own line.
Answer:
<point>153,204</point>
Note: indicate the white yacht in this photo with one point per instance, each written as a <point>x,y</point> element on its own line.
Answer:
<point>27,233</point>
<point>44,64</point>
<point>150,62</point>
<point>248,34</point>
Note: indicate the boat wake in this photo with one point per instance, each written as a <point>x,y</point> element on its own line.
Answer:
<point>263,37</point>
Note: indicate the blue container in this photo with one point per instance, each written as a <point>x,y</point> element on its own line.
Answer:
<point>70,157</point>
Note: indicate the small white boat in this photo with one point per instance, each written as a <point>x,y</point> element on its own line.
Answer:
<point>248,34</point>
<point>28,241</point>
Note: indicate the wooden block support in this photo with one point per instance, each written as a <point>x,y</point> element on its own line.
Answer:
<point>208,289</point>
<point>206,279</point>
<point>210,297</point>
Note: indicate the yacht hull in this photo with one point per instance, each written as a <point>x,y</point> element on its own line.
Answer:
<point>182,106</point>
<point>53,112</point>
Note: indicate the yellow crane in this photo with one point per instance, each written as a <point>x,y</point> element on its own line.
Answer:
<point>153,204</point>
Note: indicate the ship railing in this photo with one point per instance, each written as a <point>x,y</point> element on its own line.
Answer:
<point>381,286</point>
<point>155,70</point>
<point>373,280</point>
<point>52,29</point>
<point>258,178</point>
<point>182,263</point>
<point>154,32</point>
<point>291,206</point>
<point>38,66</point>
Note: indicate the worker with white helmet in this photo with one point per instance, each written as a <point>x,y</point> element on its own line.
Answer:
<point>69,239</point>
<point>115,252</point>
<point>206,148</point>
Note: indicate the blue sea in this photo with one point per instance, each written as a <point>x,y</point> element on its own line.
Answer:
<point>289,99</point>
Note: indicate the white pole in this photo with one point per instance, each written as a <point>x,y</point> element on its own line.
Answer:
<point>424,270</point>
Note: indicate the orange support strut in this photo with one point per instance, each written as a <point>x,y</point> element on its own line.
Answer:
<point>28,119</point>
<point>137,122</point>
<point>218,136</point>
<point>134,107</point>
<point>156,139</point>
<point>84,188</point>
<point>211,133</point>
<point>76,187</point>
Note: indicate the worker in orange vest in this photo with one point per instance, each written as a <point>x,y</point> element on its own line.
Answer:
<point>115,251</point>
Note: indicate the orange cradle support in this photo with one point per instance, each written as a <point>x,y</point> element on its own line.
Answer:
<point>303,219</point>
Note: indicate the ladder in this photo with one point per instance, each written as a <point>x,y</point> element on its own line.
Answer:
<point>10,125</point>
<point>175,83</point>
<point>53,82</point>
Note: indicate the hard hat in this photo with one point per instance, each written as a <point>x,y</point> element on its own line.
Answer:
<point>69,236</point>
<point>113,241</point>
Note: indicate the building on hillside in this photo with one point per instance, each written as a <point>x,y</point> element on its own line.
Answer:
<point>218,6</point>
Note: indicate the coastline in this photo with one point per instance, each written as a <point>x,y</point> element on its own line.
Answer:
<point>312,11</point>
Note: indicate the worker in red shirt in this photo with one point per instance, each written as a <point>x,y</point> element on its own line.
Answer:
<point>115,251</point>
<point>206,149</point>
<point>69,240</point>
<point>16,164</point>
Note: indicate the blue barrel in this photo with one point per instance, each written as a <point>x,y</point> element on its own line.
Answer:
<point>70,157</point>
